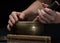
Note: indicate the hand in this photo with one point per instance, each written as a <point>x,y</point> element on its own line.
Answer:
<point>13,18</point>
<point>47,15</point>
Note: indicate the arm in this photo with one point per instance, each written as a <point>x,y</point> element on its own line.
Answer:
<point>34,6</point>
<point>32,9</point>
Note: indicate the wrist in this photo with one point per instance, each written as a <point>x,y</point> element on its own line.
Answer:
<point>29,15</point>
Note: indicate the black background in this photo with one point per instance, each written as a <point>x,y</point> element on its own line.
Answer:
<point>7,6</point>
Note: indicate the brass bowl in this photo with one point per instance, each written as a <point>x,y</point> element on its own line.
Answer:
<point>28,28</point>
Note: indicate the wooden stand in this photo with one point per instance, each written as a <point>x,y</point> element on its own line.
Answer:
<point>28,39</point>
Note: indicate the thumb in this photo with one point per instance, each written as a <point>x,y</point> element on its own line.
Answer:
<point>21,16</point>
<point>45,5</point>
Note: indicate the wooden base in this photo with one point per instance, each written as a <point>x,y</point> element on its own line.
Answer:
<point>28,39</point>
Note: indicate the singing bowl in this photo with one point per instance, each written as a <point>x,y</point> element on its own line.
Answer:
<point>28,28</point>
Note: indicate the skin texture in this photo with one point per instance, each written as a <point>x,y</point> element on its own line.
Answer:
<point>45,15</point>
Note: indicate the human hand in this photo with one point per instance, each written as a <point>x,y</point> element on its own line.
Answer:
<point>47,15</point>
<point>13,18</point>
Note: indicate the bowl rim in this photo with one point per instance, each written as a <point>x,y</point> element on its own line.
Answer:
<point>26,22</point>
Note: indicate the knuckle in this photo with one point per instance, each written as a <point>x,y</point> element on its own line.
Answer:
<point>9,16</point>
<point>8,22</point>
<point>8,26</point>
<point>13,22</point>
<point>43,12</point>
<point>13,12</point>
<point>48,10</point>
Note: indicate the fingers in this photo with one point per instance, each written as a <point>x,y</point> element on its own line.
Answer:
<point>12,19</point>
<point>8,27</point>
<point>51,13</point>
<point>14,15</point>
<point>46,15</point>
<point>21,16</point>
<point>45,5</point>
<point>10,23</point>
<point>41,17</point>
<point>41,20</point>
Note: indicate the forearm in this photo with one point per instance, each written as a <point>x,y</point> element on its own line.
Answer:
<point>36,5</point>
<point>33,8</point>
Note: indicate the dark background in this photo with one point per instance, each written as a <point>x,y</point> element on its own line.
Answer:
<point>7,6</point>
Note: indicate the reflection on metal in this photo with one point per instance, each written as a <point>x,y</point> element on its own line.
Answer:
<point>33,28</point>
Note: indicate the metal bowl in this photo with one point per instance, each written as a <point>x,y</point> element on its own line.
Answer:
<point>27,28</point>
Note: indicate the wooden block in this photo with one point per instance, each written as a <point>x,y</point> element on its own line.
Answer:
<point>28,39</point>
